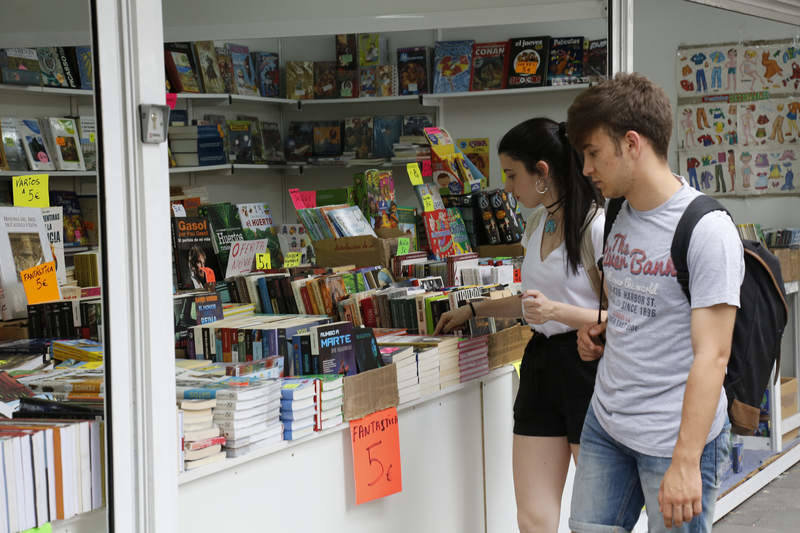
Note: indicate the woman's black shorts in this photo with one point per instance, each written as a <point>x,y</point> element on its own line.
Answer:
<point>555,388</point>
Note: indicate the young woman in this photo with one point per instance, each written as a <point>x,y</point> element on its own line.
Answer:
<point>561,287</point>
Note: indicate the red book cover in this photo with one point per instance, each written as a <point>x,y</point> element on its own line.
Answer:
<point>440,238</point>
<point>368,312</point>
<point>489,66</point>
<point>200,444</point>
<point>306,300</point>
<point>11,389</point>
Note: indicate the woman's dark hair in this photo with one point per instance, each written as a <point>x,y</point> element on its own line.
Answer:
<point>542,139</point>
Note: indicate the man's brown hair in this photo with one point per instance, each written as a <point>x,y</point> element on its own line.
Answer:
<point>627,102</point>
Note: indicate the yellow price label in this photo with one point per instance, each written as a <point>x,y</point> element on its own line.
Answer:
<point>427,203</point>
<point>503,175</point>
<point>31,190</point>
<point>403,245</point>
<point>292,259</point>
<point>263,261</point>
<point>91,138</point>
<point>414,173</point>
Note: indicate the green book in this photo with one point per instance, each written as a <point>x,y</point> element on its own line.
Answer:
<point>226,228</point>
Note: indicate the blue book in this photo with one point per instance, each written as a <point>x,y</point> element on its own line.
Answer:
<point>298,389</point>
<point>298,433</point>
<point>452,61</point>
<point>84,54</point>
<point>294,409</point>
<point>267,73</point>
<point>387,132</point>
<point>298,425</point>
<point>263,295</point>
<point>243,71</point>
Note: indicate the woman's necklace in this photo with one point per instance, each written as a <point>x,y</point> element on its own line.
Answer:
<point>550,224</point>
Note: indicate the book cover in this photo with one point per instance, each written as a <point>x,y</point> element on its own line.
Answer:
<point>452,61</point>
<point>53,218</point>
<point>327,138</point>
<point>387,130</point>
<point>299,141</point>
<point>268,73</point>
<point>440,237</point>
<point>528,60</point>
<point>595,59</point>
<point>324,79</point>
<point>386,77</point>
<point>85,66</point>
<point>196,262</point>
<point>300,80</point>
<point>34,144</point>
<point>273,144</point>
<point>208,66</point>
<point>12,144</point>
<point>358,136</point>
<point>294,238</point>
<point>20,66</point>
<point>368,84</point>
<point>413,66</point>
<point>225,229</point>
<point>181,71</point>
<point>69,64</point>
<point>50,67</point>
<point>87,127</point>
<point>23,245</point>
<point>477,151</point>
<point>244,80</point>
<point>489,66</point>
<point>257,138</point>
<point>75,233</point>
<point>368,356</point>
<point>334,344</point>
<point>371,49</point>
<point>225,67</point>
<point>346,51</point>
<point>459,230</point>
<point>508,230</point>
<point>566,60</point>
<point>491,232</point>
<point>414,125</point>
<point>347,83</point>
<point>380,199</point>
<point>11,389</point>
<point>407,222</point>
<point>66,144</point>
<point>350,222</point>
<point>241,142</point>
<point>256,220</point>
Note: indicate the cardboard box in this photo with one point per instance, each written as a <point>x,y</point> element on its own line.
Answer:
<point>14,330</point>
<point>370,391</point>
<point>362,251</point>
<point>789,405</point>
<point>508,345</point>
<point>501,250</point>
<point>789,259</point>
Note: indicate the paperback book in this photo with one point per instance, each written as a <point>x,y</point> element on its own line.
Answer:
<point>50,67</point>
<point>566,60</point>
<point>34,144</point>
<point>346,51</point>
<point>358,136</point>
<point>324,79</point>
<point>528,62</point>
<point>413,65</point>
<point>452,61</point>
<point>244,80</point>
<point>489,66</point>
<point>195,260</point>
<point>300,80</point>
<point>208,65</point>
<point>268,73</point>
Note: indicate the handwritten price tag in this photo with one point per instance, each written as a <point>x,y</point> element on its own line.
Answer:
<point>263,261</point>
<point>292,259</point>
<point>427,170</point>
<point>178,210</point>
<point>40,283</point>
<point>376,455</point>
<point>414,174</point>
<point>427,203</point>
<point>31,190</point>
<point>403,245</point>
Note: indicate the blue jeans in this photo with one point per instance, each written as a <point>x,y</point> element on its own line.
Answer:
<point>612,482</point>
<point>700,76</point>
<point>716,77</point>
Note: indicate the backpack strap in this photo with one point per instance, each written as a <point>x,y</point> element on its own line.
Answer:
<point>697,209</point>
<point>590,265</point>
<point>531,224</point>
<point>613,207</point>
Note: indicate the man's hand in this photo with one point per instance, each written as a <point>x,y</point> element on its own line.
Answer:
<point>452,319</point>
<point>537,308</point>
<point>590,344</point>
<point>680,497</point>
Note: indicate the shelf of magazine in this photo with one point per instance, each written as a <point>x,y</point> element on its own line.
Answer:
<point>193,475</point>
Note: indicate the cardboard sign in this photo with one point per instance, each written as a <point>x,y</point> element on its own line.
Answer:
<point>179,210</point>
<point>292,259</point>
<point>263,261</point>
<point>31,190</point>
<point>376,455</point>
<point>40,283</point>
<point>403,245</point>
<point>242,256</point>
<point>414,174</point>
<point>427,203</point>
<point>297,198</point>
<point>427,168</point>
<point>172,99</point>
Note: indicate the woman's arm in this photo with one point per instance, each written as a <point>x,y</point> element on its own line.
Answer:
<point>538,309</point>
<point>508,307</point>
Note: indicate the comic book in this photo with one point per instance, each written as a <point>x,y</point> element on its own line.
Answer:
<point>346,51</point>
<point>273,145</point>
<point>268,73</point>
<point>299,141</point>
<point>347,83</point>
<point>489,66</point>
<point>300,80</point>
<point>373,50</point>
<point>440,236</point>
<point>477,151</point>
<point>413,65</point>
<point>386,132</point>
<point>324,79</point>
<point>386,76</point>
<point>566,61</point>
<point>528,59</point>
<point>358,136</point>
<point>225,68</point>
<point>327,138</point>
<point>208,65</point>
<point>244,79</point>
<point>368,85</point>
<point>595,59</point>
<point>452,61</point>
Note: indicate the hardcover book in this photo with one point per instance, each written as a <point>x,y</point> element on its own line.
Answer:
<point>256,220</point>
<point>528,60</point>
<point>566,60</point>
<point>259,155</point>
<point>225,67</point>
<point>358,136</point>
<point>489,66</point>
<point>440,237</point>
<point>386,133</point>
<point>85,66</point>
<point>20,66</point>
<point>595,59</point>
<point>300,80</point>
<point>372,49</point>
<point>181,72</point>
<point>66,143</point>
<point>452,61</point>
<point>69,65</point>
<point>368,85</point>
<point>299,141</point>
<point>241,142</point>
<point>244,80</point>
<point>195,261</point>
<point>327,138</point>
<point>208,65</point>
<point>346,51</point>
<point>34,144</point>
<point>413,66</point>
<point>225,229</point>
<point>50,67</point>
<point>268,73</point>
<point>414,125</point>
<point>324,79</point>
<point>386,78</point>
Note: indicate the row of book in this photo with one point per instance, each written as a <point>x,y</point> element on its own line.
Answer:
<point>68,67</point>
<point>66,319</point>
<point>782,237</point>
<point>55,143</point>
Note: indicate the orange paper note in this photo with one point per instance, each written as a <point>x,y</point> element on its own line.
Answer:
<point>376,455</point>
<point>40,283</point>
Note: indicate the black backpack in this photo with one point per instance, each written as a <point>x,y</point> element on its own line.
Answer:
<point>760,319</point>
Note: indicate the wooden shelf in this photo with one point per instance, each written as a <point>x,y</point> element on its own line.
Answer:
<point>35,89</point>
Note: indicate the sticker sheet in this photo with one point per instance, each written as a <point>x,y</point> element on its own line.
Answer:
<point>707,70</point>
<point>710,171</point>
<point>774,68</point>
<point>707,125</point>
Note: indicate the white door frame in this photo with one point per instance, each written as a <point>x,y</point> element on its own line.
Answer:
<point>620,33</point>
<point>136,251</point>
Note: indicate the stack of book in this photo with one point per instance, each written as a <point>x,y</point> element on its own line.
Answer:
<point>449,370</point>
<point>410,149</point>
<point>193,146</point>
<point>407,378</point>
<point>77,350</point>
<point>331,401</point>
<point>249,419</point>
<point>300,407</point>
<point>473,357</point>
<point>202,443</point>
<point>428,370</point>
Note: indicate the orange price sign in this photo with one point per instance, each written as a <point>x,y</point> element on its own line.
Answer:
<point>40,283</point>
<point>376,455</point>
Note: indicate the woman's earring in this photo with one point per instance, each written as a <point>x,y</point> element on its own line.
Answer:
<point>539,182</point>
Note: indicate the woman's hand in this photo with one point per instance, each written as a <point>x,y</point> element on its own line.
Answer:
<point>537,308</point>
<point>452,319</point>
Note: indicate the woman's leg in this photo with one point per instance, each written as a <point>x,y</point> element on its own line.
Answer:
<point>540,470</point>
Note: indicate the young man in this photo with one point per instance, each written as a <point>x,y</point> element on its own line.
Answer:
<point>657,431</point>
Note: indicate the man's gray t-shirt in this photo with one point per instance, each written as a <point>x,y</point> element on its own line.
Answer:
<point>642,375</point>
